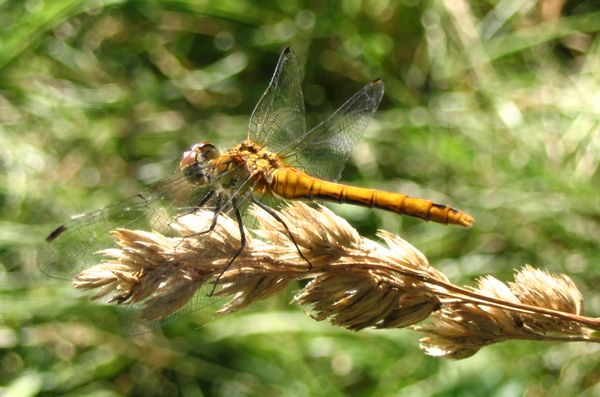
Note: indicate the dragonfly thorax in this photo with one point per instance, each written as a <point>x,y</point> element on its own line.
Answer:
<point>246,165</point>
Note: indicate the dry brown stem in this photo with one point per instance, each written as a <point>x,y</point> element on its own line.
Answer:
<point>355,282</point>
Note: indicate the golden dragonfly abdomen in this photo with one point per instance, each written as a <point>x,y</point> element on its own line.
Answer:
<point>290,183</point>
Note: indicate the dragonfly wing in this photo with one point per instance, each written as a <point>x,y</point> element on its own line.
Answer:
<point>323,151</point>
<point>135,322</point>
<point>279,115</point>
<point>179,283</point>
<point>186,283</point>
<point>73,246</point>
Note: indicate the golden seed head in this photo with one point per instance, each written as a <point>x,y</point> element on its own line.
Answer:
<point>355,282</point>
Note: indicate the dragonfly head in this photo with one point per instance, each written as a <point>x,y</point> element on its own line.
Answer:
<point>195,163</point>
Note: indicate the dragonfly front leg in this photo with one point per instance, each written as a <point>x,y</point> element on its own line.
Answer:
<point>200,205</point>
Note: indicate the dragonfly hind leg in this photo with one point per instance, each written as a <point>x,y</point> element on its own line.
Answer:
<point>243,242</point>
<point>270,211</point>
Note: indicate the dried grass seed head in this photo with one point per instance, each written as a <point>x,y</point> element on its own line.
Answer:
<point>322,236</point>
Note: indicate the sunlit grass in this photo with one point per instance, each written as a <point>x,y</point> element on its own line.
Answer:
<point>492,110</point>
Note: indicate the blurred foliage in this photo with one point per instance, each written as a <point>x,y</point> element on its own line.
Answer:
<point>491,107</point>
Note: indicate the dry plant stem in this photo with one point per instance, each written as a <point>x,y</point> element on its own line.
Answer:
<point>467,296</point>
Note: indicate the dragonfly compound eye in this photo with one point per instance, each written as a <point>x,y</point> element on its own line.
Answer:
<point>195,162</point>
<point>207,150</point>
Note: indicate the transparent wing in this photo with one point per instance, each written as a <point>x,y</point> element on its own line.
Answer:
<point>73,246</point>
<point>134,323</point>
<point>323,151</point>
<point>190,283</point>
<point>278,118</point>
<point>174,287</point>
<point>278,122</point>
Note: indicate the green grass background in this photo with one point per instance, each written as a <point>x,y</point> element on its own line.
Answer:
<point>492,107</point>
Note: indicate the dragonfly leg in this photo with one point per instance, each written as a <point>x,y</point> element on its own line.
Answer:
<point>213,222</point>
<point>198,206</point>
<point>243,242</point>
<point>270,211</point>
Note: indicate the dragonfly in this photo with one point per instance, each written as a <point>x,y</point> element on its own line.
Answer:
<point>279,159</point>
